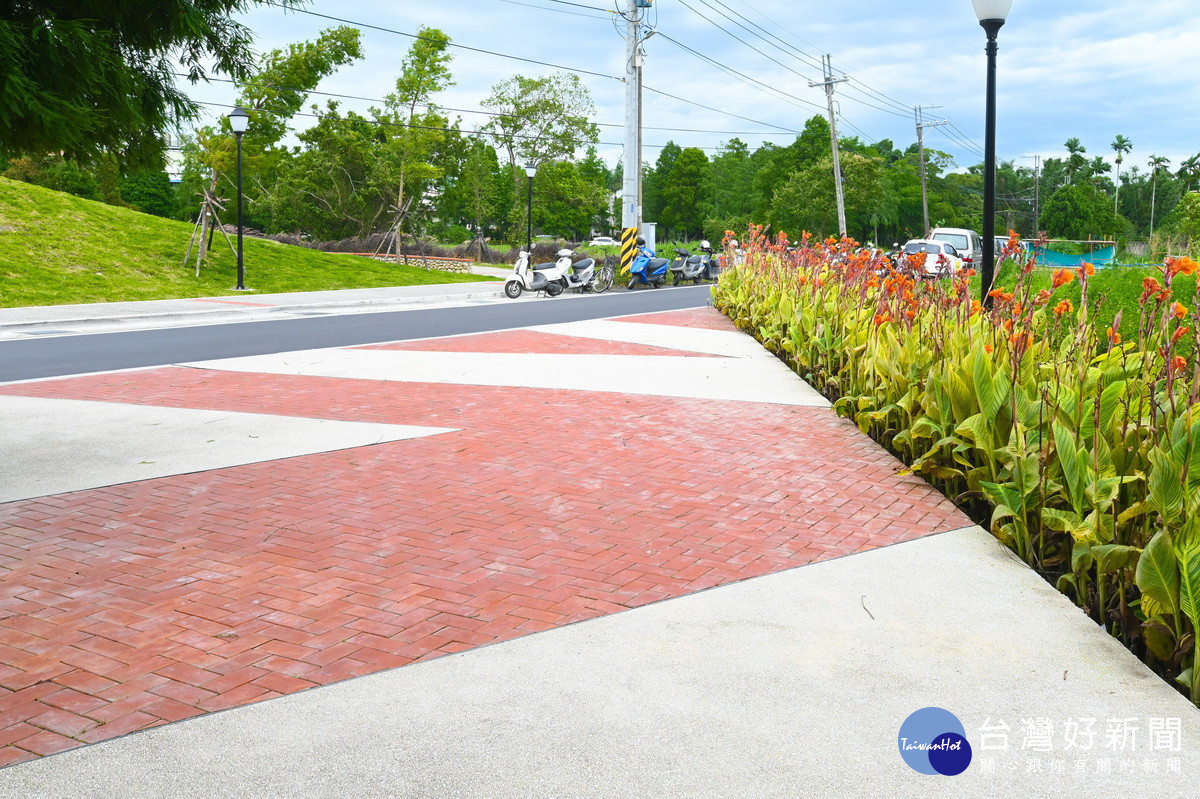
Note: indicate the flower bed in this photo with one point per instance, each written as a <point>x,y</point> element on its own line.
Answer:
<point>1080,451</point>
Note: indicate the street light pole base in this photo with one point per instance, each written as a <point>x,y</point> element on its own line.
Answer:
<point>240,288</point>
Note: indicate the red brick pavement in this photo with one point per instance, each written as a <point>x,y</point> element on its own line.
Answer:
<point>530,341</point>
<point>129,606</point>
<point>705,318</point>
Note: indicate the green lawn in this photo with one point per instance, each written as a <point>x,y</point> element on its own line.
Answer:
<point>58,249</point>
<point>1111,289</point>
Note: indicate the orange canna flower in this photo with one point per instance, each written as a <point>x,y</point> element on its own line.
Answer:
<point>1178,364</point>
<point>911,314</point>
<point>1021,341</point>
<point>880,318</point>
<point>975,307</point>
<point>1178,311</point>
<point>1180,333</point>
<point>1151,285</point>
<point>988,348</point>
<point>1114,338</point>
<point>1063,307</point>
<point>1042,298</point>
<point>1087,270</point>
<point>1181,266</point>
<point>1062,277</point>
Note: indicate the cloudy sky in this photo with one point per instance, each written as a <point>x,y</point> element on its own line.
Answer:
<point>1084,68</point>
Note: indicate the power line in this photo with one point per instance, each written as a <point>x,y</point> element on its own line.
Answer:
<point>743,41</point>
<point>493,113</point>
<point>448,44</point>
<point>387,124</point>
<point>528,60</point>
<point>559,10</point>
<point>719,111</point>
<point>789,98</point>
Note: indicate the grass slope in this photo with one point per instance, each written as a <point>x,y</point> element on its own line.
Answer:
<point>58,249</point>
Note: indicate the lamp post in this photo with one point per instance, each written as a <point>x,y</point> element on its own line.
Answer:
<point>530,171</point>
<point>991,14</point>
<point>239,120</point>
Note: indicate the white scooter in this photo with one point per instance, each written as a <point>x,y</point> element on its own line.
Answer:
<point>556,277</point>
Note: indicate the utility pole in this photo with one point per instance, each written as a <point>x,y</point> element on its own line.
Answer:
<point>631,203</point>
<point>1037,193</point>
<point>921,125</point>
<point>829,83</point>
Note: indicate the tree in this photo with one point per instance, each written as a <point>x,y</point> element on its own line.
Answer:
<point>686,194</point>
<point>272,96</point>
<point>1075,159</point>
<point>413,138</point>
<point>807,201</point>
<point>1157,164</point>
<point>149,191</point>
<point>569,199</point>
<point>337,186</point>
<point>1097,168</point>
<point>1122,146</point>
<point>733,190</point>
<point>653,180</point>
<point>1184,219</point>
<point>1189,171</point>
<point>777,165</point>
<point>472,194</point>
<point>1077,212</point>
<point>538,120</point>
<point>94,76</point>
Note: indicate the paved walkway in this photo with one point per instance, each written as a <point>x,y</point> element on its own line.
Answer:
<point>284,522</point>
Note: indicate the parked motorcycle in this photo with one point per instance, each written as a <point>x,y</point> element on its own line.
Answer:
<point>554,278</point>
<point>584,274</point>
<point>647,270</point>
<point>703,266</point>
<point>685,267</point>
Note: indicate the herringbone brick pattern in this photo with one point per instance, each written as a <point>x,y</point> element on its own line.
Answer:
<point>129,606</point>
<point>705,318</point>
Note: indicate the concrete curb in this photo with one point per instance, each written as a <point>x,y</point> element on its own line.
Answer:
<point>224,314</point>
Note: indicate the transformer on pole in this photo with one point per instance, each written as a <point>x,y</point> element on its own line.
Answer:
<point>829,83</point>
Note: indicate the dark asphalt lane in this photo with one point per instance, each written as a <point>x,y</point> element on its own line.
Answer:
<point>25,359</point>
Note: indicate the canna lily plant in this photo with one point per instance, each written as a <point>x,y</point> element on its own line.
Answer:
<point>1079,451</point>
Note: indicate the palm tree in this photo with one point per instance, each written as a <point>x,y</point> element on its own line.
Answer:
<point>1097,168</point>
<point>1189,170</point>
<point>1156,163</point>
<point>1122,146</point>
<point>1075,161</point>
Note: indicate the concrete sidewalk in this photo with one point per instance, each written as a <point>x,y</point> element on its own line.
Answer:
<point>630,557</point>
<point>149,314</point>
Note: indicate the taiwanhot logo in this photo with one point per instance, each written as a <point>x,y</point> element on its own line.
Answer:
<point>934,741</point>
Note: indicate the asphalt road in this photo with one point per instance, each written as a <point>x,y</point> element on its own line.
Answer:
<point>27,359</point>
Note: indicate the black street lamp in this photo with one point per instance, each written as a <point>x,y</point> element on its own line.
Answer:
<point>239,120</point>
<point>530,171</point>
<point>991,14</point>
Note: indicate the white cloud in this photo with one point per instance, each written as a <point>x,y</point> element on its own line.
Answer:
<point>1085,68</point>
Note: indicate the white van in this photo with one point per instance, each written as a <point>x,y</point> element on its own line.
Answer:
<point>967,242</point>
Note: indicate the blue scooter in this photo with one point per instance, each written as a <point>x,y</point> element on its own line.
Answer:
<point>646,270</point>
